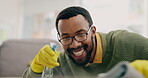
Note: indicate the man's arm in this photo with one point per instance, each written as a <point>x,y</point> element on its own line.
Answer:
<point>45,57</point>
<point>30,74</point>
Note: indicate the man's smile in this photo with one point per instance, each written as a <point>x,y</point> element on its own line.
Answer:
<point>79,54</point>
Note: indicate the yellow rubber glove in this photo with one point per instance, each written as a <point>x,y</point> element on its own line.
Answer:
<point>45,57</point>
<point>141,66</point>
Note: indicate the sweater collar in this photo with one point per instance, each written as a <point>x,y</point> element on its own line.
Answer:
<point>98,55</point>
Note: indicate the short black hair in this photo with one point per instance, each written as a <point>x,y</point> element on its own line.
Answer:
<point>73,11</point>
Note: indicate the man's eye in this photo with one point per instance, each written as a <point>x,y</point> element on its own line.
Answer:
<point>66,38</point>
<point>81,35</point>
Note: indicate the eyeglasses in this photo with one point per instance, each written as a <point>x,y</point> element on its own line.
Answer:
<point>79,38</point>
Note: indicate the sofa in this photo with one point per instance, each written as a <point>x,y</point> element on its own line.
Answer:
<point>17,54</point>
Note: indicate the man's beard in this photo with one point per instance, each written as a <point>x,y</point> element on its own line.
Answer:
<point>88,55</point>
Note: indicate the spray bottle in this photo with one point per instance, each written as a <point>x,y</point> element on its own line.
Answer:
<point>48,72</point>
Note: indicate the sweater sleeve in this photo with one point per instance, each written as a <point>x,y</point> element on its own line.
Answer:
<point>131,45</point>
<point>30,74</point>
<point>127,46</point>
<point>139,45</point>
<point>57,72</point>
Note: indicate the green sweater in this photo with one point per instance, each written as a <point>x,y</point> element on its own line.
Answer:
<point>117,46</point>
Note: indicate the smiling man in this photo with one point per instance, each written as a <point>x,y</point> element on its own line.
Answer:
<point>78,38</point>
<point>87,53</point>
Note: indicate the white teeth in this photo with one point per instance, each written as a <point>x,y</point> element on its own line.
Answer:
<point>78,53</point>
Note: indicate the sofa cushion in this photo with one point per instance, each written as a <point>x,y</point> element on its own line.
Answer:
<point>15,55</point>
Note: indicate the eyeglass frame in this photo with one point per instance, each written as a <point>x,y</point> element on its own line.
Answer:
<point>73,37</point>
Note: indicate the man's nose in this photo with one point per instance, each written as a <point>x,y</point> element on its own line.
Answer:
<point>75,43</point>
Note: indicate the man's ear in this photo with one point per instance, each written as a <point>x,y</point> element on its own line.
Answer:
<point>93,30</point>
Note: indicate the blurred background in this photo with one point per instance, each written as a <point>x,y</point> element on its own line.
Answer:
<point>35,19</point>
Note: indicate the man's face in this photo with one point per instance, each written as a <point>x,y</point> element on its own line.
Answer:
<point>79,52</point>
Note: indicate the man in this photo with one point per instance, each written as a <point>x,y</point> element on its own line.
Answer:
<point>87,53</point>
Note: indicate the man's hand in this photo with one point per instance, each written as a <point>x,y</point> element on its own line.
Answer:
<point>45,57</point>
<point>141,66</point>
